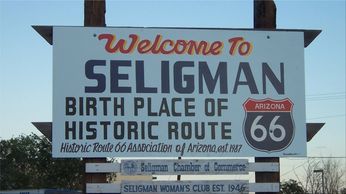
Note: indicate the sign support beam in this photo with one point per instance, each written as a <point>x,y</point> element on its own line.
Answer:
<point>46,129</point>
<point>265,18</point>
<point>94,15</point>
<point>309,35</point>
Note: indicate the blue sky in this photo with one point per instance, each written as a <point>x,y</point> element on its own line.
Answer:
<point>26,59</point>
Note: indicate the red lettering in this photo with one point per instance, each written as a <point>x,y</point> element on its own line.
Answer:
<point>168,46</point>
<point>144,46</point>
<point>120,45</point>
<point>234,44</point>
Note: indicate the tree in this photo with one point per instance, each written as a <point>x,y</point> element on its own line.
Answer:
<point>343,191</point>
<point>312,182</point>
<point>291,187</point>
<point>333,174</point>
<point>26,163</point>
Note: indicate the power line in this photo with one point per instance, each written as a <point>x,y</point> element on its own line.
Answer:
<point>324,117</point>
<point>326,96</point>
<point>321,99</point>
<point>283,174</point>
<point>312,157</point>
<point>293,158</point>
<point>326,157</point>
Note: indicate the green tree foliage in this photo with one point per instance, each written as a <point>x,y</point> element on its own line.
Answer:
<point>26,163</point>
<point>291,187</point>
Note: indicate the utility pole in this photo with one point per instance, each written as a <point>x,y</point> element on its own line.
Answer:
<point>265,18</point>
<point>94,16</point>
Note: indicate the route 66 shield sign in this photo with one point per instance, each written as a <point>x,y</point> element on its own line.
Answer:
<point>268,124</point>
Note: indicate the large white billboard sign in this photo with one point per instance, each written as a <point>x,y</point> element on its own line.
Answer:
<point>163,92</point>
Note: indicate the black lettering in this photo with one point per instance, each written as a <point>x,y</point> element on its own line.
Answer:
<point>105,125</point>
<point>150,112</point>
<point>140,80</point>
<point>132,128</point>
<point>202,130</point>
<point>250,81</point>
<point>119,106</point>
<point>226,130</point>
<point>99,77</point>
<point>210,81</point>
<point>189,107</point>
<point>165,77</point>
<point>209,103</point>
<point>70,129</point>
<point>70,106</point>
<point>186,130</point>
<point>81,107</point>
<point>116,76</point>
<point>105,101</point>
<point>179,78</point>
<point>172,130</point>
<point>91,129</point>
<point>80,129</point>
<point>138,104</point>
<point>174,112</point>
<point>116,133</point>
<point>164,108</point>
<point>221,107</point>
<point>212,128</point>
<point>268,73</point>
<point>91,106</point>
<point>150,130</point>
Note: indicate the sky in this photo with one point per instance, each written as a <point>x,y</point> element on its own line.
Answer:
<point>26,58</point>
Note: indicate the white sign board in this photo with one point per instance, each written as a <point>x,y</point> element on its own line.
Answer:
<point>184,187</point>
<point>161,187</point>
<point>163,92</point>
<point>159,167</point>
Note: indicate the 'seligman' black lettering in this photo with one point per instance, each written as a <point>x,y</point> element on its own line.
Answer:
<point>184,82</point>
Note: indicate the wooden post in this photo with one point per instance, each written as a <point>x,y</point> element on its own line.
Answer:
<point>265,18</point>
<point>94,15</point>
<point>264,14</point>
<point>267,177</point>
<point>94,177</point>
<point>179,176</point>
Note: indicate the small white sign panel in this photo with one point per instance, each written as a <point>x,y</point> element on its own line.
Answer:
<point>184,187</point>
<point>163,92</point>
<point>180,167</point>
